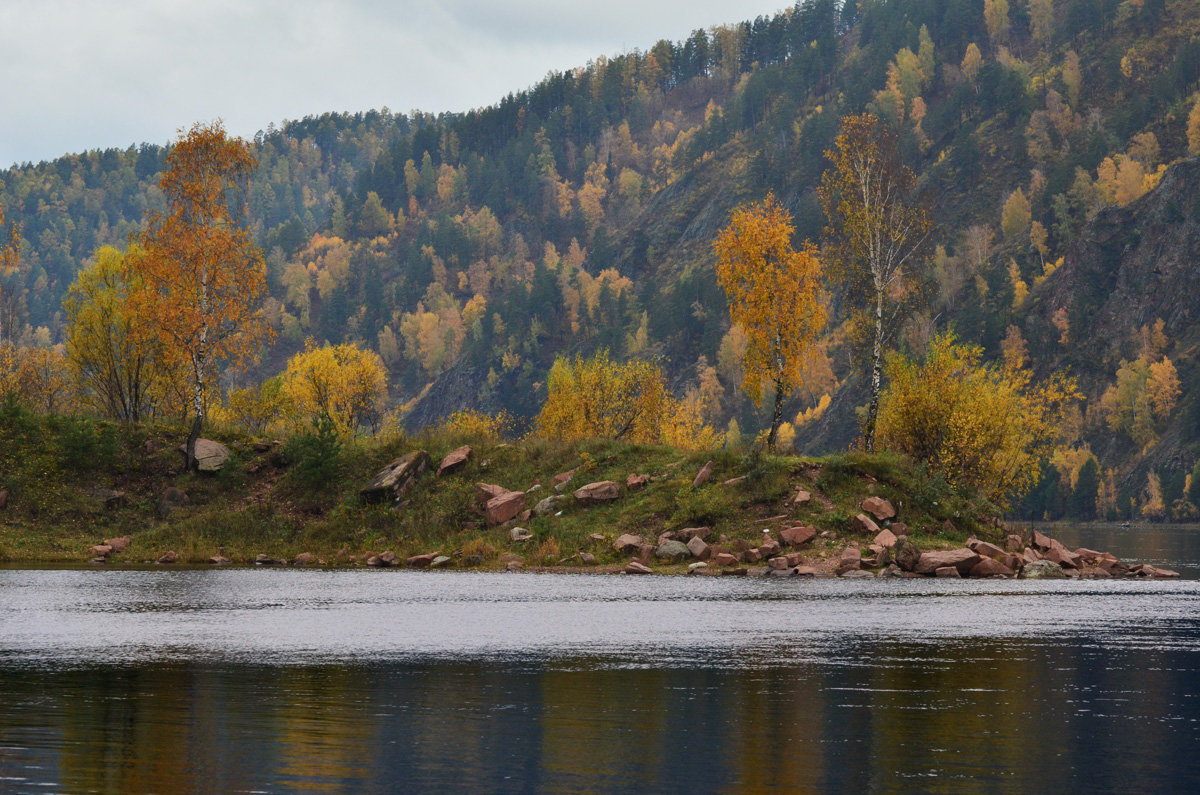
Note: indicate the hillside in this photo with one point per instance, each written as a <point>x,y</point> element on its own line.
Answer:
<point>469,250</point>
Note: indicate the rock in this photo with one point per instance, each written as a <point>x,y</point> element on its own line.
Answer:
<point>210,456</point>
<point>1042,570</point>
<point>878,507</point>
<point>905,554</point>
<point>533,488</point>
<point>504,507</point>
<point>525,515</point>
<point>600,491</point>
<point>219,560</point>
<point>668,535</point>
<point>851,558</point>
<point>946,571</point>
<point>1011,561</point>
<point>777,563</point>
<point>985,549</point>
<point>1041,542</point>
<point>1013,543</point>
<point>439,561</point>
<point>797,536</point>
<point>389,558</point>
<point>562,477</point>
<point>673,551</point>
<point>635,482</point>
<point>421,561</point>
<point>703,476</point>
<point>168,558</point>
<point>637,568</point>
<point>397,478</point>
<point>261,447</point>
<point>863,524</point>
<point>1164,574</point>
<point>751,556</point>
<point>100,551</point>
<point>857,574</point>
<point>119,544</point>
<point>961,559</point>
<point>304,559</point>
<point>899,529</point>
<point>736,481</point>
<point>802,497</point>
<point>486,492</point>
<point>892,570</point>
<point>644,551</point>
<point>725,559</point>
<point>698,566</point>
<point>169,500</point>
<point>597,537</point>
<point>769,548</point>
<point>886,539</point>
<point>587,558</point>
<point>627,544</point>
<point>514,565</point>
<point>698,549</point>
<point>794,559</point>
<point>990,567</point>
<point>1088,555</point>
<point>267,560</point>
<point>1062,556</point>
<point>688,533</point>
<point>519,534</point>
<point>455,460</point>
<point>1029,555</point>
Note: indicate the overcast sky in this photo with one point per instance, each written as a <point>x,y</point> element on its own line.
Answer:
<point>93,74</point>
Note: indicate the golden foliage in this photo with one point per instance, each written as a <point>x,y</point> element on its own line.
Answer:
<point>982,426</point>
<point>1144,394</point>
<point>342,381</point>
<point>1016,216</point>
<point>476,426</point>
<point>36,377</point>
<point>255,409</point>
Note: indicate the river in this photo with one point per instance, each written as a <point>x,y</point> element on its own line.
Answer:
<point>284,680</point>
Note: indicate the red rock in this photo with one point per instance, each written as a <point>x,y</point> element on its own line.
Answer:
<point>390,558</point>
<point>797,536</point>
<point>304,559</point>
<point>486,492</point>
<point>587,558</point>
<point>101,551</point>
<point>119,544</point>
<point>562,477</point>
<point>946,571</point>
<point>960,559</point>
<point>1030,555</point>
<point>850,559</point>
<point>637,568</point>
<point>596,537</point>
<point>725,559</point>
<point>1012,561</point>
<point>454,460</point>
<point>420,561</point>
<point>794,559</point>
<point>635,482</point>
<point>751,556</point>
<point>1164,574</point>
<point>168,557</point>
<point>802,497</point>
<point>1062,556</point>
<point>504,507</point>
<point>699,549</point>
<point>219,560</point>
<point>600,491</point>
<point>1040,542</point>
<point>1013,543</point>
<point>688,533</point>
<point>899,529</point>
<point>669,535</point>
<point>886,539</point>
<point>879,508</point>
<point>627,544</point>
<point>769,547</point>
<point>863,524</point>
<point>645,551</point>
<point>703,476</point>
<point>805,571</point>
<point>1088,555</point>
<point>778,563</point>
<point>985,549</point>
<point>525,516</point>
<point>990,567</point>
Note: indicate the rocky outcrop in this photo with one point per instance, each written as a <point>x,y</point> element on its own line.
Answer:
<point>397,478</point>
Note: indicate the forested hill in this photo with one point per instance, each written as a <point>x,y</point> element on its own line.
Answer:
<point>579,214</point>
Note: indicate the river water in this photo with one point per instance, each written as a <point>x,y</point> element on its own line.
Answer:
<point>285,680</point>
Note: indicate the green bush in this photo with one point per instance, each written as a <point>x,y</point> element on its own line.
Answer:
<point>316,455</point>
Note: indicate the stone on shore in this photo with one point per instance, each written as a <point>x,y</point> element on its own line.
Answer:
<point>439,561</point>
<point>905,554</point>
<point>454,460</point>
<point>886,539</point>
<point>119,544</point>
<point>863,524</point>
<point>688,533</point>
<point>1042,570</point>
<point>635,567</point>
<point>798,535</point>
<point>587,558</point>
<point>167,558</point>
<point>421,561</point>
<point>218,560</point>
<point>698,548</point>
<point>961,559</point>
<point>627,544</point>
<point>725,559</point>
<point>304,559</point>
<point>600,491</point>
<point>397,478</point>
<point>673,551</point>
<point>850,559</point>
<point>878,507</point>
<point>100,551</point>
<point>990,567</point>
<point>500,509</point>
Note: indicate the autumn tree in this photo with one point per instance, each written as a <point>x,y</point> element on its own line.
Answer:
<point>774,295</point>
<point>877,234</point>
<point>342,382</point>
<point>10,249</point>
<point>982,426</point>
<point>202,277</point>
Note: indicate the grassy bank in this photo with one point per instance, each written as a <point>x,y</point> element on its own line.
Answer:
<point>72,483</point>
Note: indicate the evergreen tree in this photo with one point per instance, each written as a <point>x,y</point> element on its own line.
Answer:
<point>1087,485</point>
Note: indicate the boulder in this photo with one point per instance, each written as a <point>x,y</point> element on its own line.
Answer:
<point>703,476</point>
<point>899,529</point>
<point>210,456</point>
<point>504,507</point>
<point>1012,561</point>
<point>946,571</point>
<point>892,570</point>
<point>1062,556</point>
<point>637,568</point>
<point>1041,543</point>
<point>169,500</point>
<point>485,492</point>
<point>100,551</point>
<point>1042,570</point>
<point>1013,543</point>
<point>1164,574</point>
<point>562,477</point>
<point>1089,556</point>
<point>519,534</point>
<point>218,560</point>
<point>644,551</point>
<point>778,563</point>
<point>635,482</point>
<point>439,561</point>
<point>905,554</point>
<point>421,561</point>
<point>857,574</point>
<point>725,559</point>
<point>627,544</point>
<point>389,558</point>
<point>267,560</point>
<point>863,524</point>
<point>1029,555</point>
<point>751,556</point>
<point>794,559</point>
<point>168,558</point>
<point>600,491</point>
<point>797,536</point>
<point>514,565</point>
<point>119,544</point>
<point>688,533</point>
<point>673,551</point>
<point>551,505</point>
<point>587,558</point>
<point>668,535</point>
<point>397,478</point>
<point>769,548</point>
<point>699,549</point>
<point>850,559</point>
<point>990,567</point>
<point>455,460</point>
<point>802,497</point>
<point>985,549</point>
<point>886,539</point>
<point>304,559</point>
<point>878,507</point>
<point>695,567</point>
<point>961,559</point>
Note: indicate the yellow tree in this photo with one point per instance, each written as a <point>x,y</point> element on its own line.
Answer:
<point>201,278</point>
<point>774,295</point>
<point>876,235</point>
<point>343,382</point>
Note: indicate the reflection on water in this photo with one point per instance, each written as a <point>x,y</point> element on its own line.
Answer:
<point>1176,546</point>
<point>281,680</point>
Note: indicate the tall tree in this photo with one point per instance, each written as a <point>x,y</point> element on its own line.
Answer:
<point>774,295</point>
<point>876,235</point>
<point>10,249</point>
<point>202,277</point>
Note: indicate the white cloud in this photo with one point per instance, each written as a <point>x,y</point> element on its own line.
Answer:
<point>85,74</point>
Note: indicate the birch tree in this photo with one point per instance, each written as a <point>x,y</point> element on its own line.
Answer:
<point>202,277</point>
<point>876,235</point>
